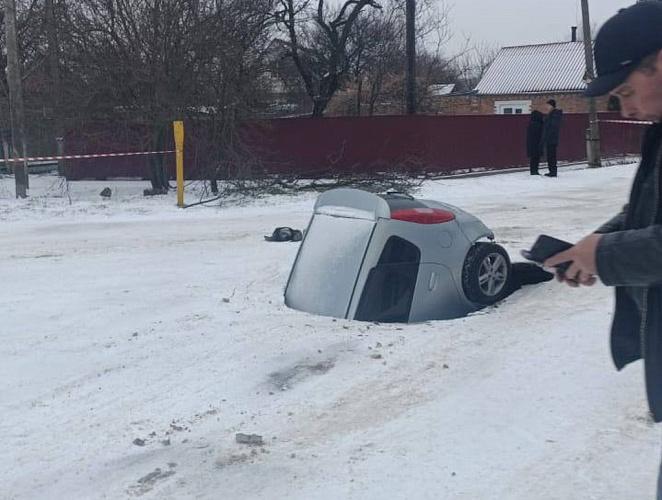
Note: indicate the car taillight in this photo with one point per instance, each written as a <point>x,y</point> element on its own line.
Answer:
<point>423,215</point>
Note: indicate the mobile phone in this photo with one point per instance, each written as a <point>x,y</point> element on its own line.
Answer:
<point>544,248</point>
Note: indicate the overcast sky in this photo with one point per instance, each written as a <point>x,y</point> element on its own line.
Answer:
<point>522,22</point>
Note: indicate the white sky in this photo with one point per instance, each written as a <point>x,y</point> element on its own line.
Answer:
<point>521,22</point>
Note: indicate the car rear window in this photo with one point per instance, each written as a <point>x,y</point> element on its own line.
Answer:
<point>328,265</point>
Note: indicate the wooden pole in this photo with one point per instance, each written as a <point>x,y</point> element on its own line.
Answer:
<point>593,136</point>
<point>411,57</point>
<point>16,100</point>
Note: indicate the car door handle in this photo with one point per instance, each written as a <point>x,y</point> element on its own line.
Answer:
<point>433,281</point>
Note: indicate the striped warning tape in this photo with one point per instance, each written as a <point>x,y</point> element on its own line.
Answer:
<point>634,122</point>
<point>83,157</point>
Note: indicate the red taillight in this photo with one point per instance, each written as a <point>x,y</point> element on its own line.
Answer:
<point>423,215</point>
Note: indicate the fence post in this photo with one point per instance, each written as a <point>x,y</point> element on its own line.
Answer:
<point>178,128</point>
<point>61,171</point>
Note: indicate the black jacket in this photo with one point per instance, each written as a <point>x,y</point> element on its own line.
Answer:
<point>630,255</point>
<point>534,135</point>
<point>552,129</point>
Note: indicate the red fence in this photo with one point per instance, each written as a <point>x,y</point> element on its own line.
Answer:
<point>100,138</point>
<point>319,147</point>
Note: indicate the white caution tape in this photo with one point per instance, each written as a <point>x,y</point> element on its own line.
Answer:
<point>84,157</point>
<point>634,122</point>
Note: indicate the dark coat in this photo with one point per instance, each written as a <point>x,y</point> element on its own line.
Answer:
<point>552,129</point>
<point>630,255</point>
<point>534,135</point>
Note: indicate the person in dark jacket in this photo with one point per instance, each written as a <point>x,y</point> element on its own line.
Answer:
<point>626,252</point>
<point>550,135</point>
<point>534,141</point>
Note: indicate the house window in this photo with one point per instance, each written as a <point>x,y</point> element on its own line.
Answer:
<point>512,107</point>
<point>613,104</point>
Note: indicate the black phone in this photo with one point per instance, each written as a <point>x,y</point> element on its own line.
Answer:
<point>544,248</point>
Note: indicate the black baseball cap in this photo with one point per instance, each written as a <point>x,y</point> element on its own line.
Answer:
<point>622,43</point>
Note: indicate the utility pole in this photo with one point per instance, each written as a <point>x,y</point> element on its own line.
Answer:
<point>55,80</point>
<point>593,133</point>
<point>16,110</point>
<point>411,57</point>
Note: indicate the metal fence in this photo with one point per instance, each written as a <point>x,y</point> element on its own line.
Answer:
<point>308,147</point>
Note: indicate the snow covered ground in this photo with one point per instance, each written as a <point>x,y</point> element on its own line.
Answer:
<point>138,339</point>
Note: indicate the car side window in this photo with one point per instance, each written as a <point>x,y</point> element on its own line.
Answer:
<point>389,290</point>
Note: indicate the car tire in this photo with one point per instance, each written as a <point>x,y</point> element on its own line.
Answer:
<point>486,274</point>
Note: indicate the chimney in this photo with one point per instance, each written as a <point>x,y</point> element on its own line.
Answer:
<point>574,33</point>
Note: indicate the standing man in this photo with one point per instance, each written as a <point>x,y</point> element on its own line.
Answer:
<point>534,140</point>
<point>626,252</point>
<point>550,135</point>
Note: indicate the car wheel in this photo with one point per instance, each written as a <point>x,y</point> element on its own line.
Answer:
<point>486,273</point>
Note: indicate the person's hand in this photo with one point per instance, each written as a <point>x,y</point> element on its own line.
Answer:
<point>583,269</point>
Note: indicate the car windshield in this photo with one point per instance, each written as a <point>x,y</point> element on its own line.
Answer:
<point>324,276</point>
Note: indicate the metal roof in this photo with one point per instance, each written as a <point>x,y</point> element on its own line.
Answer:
<point>528,69</point>
<point>439,89</point>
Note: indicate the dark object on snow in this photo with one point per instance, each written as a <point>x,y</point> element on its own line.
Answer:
<point>249,439</point>
<point>285,234</point>
<point>139,442</point>
<point>155,192</point>
<point>533,140</point>
<point>106,193</point>
<point>524,273</point>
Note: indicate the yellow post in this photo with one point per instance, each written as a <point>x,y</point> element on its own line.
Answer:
<point>178,128</point>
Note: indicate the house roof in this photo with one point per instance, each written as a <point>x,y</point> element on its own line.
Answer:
<point>553,67</point>
<point>439,89</point>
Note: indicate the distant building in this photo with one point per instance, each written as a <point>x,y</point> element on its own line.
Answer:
<point>440,89</point>
<point>523,78</point>
<point>285,93</point>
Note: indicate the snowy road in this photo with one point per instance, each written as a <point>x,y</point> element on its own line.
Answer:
<point>138,339</point>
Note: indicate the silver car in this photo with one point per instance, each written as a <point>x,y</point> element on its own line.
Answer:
<point>394,258</point>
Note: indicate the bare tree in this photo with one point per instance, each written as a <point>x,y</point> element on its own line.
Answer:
<point>33,29</point>
<point>138,57</point>
<point>154,61</point>
<point>474,63</point>
<point>435,66</point>
<point>234,86</point>
<point>377,52</point>
<point>135,65</point>
<point>288,92</point>
<point>318,44</point>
